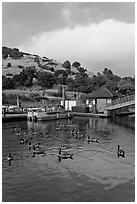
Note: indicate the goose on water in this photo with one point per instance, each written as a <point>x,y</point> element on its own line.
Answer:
<point>38,151</point>
<point>18,133</point>
<point>92,139</point>
<point>22,141</point>
<point>120,152</point>
<point>64,155</point>
<point>27,140</point>
<point>9,158</point>
<point>13,128</point>
<point>30,145</point>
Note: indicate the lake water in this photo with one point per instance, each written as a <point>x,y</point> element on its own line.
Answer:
<point>95,174</point>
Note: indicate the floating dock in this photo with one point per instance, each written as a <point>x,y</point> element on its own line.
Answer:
<point>14,117</point>
<point>90,114</point>
<point>50,116</point>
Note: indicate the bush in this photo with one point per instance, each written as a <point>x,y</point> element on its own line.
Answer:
<point>20,66</point>
<point>51,69</point>
<point>76,64</point>
<point>15,53</point>
<point>5,56</point>
<point>66,64</point>
<point>7,83</point>
<point>45,79</point>
<point>6,51</point>
<point>9,74</point>
<point>12,52</point>
<point>9,64</point>
<point>17,79</point>
<point>43,66</point>
<point>60,76</point>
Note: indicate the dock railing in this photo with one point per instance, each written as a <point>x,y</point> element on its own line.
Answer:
<point>123,99</point>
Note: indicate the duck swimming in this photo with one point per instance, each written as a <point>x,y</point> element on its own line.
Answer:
<point>9,158</point>
<point>24,133</point>
<point>73,131</point>
<point>64,155</point>
<point>120,152</point>
<point>30,145</point>
<point>22,141</point>
<point>92,139</point>
<point>78,135</point>
<point>13,128</point>
<point>38,151</point>
<point>27,140</point>
<point>18,134</point>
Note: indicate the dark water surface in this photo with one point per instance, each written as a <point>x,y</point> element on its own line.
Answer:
<point>95,173</point>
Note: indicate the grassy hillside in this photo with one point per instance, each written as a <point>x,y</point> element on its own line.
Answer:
<point>19,61</point>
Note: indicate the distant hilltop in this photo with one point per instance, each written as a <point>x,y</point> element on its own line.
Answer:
<point>13,61</point>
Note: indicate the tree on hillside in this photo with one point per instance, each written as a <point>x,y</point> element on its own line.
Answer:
<point>70,83</point>
<point>5,52</point>
<point>60,76</point>
<point>45,79</point>
<point>18,81</point>
<point>81,69</point>
<point>126,86</point>
<point>25,78</point>
<point>81,82</point>
<point>30,73</point>
<point>7,83</point>
<point>5,55</point>
<point>111,85</point>
<point>107,71</point>
<point>67,66</point>
<point>15,53</point>
<point>76,64</point>
<point>104,79</point>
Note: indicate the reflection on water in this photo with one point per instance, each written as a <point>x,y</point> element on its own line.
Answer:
<point>127,121</point>
<point>95,173</point>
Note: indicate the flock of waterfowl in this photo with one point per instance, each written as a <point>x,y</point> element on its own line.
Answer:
<point>37,148</point>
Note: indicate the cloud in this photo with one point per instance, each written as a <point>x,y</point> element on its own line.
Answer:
<point>81,13</point>
<point>109,43</point>
<point>34,18</point>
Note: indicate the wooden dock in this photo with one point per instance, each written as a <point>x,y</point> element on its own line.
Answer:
<point>89,114</point>
<point>14,117</point>
<point>50,116</point>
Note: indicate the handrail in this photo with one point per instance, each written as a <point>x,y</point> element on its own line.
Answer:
<point>122,99</point>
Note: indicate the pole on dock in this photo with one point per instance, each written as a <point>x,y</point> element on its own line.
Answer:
<point>63,95</point>
<point>18,104</point>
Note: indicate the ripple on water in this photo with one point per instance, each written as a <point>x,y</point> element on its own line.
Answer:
<point>94,174</point>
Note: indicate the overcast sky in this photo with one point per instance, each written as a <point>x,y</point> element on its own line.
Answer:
<point>98,35</point>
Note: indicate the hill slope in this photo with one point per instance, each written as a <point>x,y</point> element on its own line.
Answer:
<point>14,61</point>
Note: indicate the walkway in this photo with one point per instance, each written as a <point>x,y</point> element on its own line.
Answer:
<point>121,102</point>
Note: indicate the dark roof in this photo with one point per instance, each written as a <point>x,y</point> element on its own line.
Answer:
<point>102,93</point>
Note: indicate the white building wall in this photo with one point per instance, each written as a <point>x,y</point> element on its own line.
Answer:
<point>69,104</point>
<point>101,104</point>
